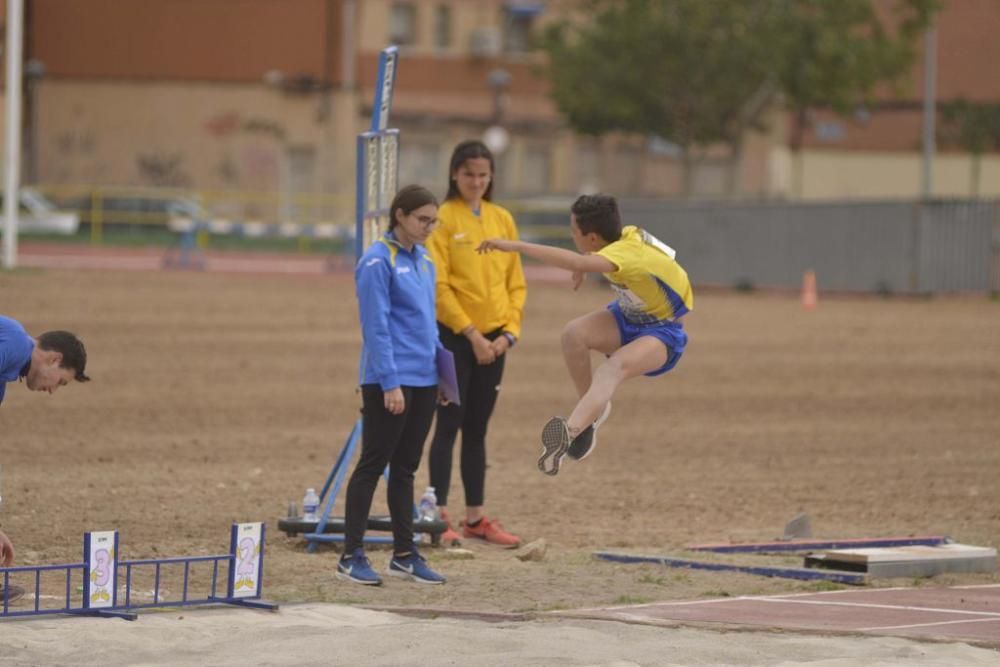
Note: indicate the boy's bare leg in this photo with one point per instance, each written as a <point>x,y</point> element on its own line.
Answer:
<point>642,355</point>
<point>593,331</point>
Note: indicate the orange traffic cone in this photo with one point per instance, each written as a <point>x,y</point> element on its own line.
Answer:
<point>809,290</point>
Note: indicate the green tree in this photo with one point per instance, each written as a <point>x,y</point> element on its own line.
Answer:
<point>973,127</point>
<point>836,54</point>
<point>682,70</point>
<point>701,72</point>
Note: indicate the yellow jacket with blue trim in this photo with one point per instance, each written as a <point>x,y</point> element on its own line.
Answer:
<point>485,290</point>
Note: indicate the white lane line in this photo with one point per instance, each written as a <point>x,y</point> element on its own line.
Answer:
<point>679,603</point>
<point>845,590</point>
<point>868,605</point>
<point>927,625</point>
<point>80,262</point>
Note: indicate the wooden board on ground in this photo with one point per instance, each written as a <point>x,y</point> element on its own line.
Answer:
<point>816,544</point>
<point>908,561</point>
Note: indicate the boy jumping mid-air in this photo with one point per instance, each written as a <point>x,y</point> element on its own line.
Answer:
<point>640,331</point>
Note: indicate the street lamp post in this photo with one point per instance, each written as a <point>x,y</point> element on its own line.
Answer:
<point>930,108</point>
<point>496,137</point>
<point>34,70</point>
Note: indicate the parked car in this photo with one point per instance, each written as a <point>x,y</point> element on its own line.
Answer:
<point>39,215</point>
<point>136,210</point>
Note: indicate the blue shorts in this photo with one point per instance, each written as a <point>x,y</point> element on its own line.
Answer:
<point>671,334</point>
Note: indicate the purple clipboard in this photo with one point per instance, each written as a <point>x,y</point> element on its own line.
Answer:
<point>447,377</point>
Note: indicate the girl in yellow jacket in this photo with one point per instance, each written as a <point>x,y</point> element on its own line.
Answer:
<point>480,300</point>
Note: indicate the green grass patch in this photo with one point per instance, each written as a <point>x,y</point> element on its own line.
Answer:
<point>716,594</point>
<point>823,586</point>
<point>144,236</point>
<point>631,599</point>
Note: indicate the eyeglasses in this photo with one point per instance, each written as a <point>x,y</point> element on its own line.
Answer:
<point>426,220</point>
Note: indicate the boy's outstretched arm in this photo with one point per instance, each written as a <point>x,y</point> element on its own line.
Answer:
<point>558,257</point>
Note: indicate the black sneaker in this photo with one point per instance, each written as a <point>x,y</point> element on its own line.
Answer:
<point>555,442</point>
<point>585,442</point>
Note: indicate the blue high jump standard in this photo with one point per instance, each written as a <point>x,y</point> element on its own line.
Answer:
<point>331,488</point>
<point>328,497</point>
<point>376,184</point>
<point>377,172</point>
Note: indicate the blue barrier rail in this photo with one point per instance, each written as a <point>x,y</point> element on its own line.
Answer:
<point>100,572</point>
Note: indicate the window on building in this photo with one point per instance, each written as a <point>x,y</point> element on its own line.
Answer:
<point>442,27</point>
<point>536,171</point>
<point>417,159</point>
<point>519,20</point>
<point>403,24</point>
<point>624,174</point>
<point>830,132</point>
<point>708,179</point>
<point>588,167</point>
<point>296,205</point>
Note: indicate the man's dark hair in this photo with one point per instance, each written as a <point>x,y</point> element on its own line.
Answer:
<point>598,213</point>
<point>74,355</point>
<point>408,200</point>
<point>468,150</point>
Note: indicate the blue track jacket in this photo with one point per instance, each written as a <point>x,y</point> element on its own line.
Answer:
<point>395,289</point>
<point>15,351</point>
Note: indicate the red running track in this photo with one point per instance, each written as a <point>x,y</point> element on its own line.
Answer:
<point>963,613</point>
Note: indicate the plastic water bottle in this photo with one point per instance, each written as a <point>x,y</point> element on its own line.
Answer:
<point>310,503</point>
<point>428,509</point>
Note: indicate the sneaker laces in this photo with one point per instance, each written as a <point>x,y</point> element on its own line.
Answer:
<point>412,553</point>
<point>359,557</point>
<point>493,523</point>
<point>496,529</point>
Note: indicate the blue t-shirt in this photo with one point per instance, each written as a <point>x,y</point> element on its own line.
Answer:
<point>15,351</point>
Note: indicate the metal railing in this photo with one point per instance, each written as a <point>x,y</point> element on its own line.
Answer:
<point>102,206</point>
<point>902,247</point>
<point>98,593</point>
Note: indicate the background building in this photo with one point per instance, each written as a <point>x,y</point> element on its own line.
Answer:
<point>266,96</point>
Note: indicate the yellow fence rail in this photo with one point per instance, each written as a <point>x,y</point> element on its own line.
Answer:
<point>99,206</point>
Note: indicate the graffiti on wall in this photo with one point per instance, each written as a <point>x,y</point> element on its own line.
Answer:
<point>76,156</point>
<point>252,150</point>
<point>163,170</point>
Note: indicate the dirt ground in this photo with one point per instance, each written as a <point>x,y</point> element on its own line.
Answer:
<point>219,398</point>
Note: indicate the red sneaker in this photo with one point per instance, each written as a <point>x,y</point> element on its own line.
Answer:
<point>492,532</point>
<point>449,538</point>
